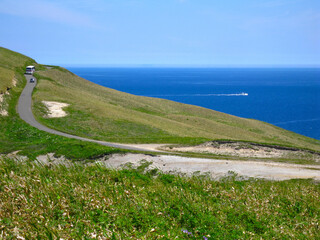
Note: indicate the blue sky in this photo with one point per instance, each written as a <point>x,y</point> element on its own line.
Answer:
<point>183,32</point>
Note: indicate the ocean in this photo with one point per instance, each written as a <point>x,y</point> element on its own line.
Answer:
<point>286,97</point>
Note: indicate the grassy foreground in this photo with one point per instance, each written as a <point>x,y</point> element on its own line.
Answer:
<point>92,202</point>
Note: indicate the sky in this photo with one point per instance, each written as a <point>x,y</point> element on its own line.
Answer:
<point>164,32</point>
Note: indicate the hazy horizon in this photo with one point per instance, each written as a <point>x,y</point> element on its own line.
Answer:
<point>184,66</point>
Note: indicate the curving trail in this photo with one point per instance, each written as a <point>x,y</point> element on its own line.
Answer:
<point>25,113</point>
<point>216,168</point>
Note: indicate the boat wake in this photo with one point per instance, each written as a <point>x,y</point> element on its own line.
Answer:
<point>297,121</point>
<point>201,95</point>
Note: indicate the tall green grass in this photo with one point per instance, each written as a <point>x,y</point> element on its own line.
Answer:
<point>93,202</point>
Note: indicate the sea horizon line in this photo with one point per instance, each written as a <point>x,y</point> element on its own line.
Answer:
<point>183,66</point>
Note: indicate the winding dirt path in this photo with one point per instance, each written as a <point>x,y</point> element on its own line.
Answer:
<point>167,163</point>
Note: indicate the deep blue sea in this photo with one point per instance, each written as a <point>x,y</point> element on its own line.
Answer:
<point>288,98</point>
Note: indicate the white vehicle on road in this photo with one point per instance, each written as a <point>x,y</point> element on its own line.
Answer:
<point>30,70</point>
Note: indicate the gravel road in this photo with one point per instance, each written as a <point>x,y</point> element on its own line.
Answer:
<point>218,168</point>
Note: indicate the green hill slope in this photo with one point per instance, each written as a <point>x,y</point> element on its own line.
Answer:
<point>10,64</point>
<point>17,137</point>
<point>106,114</point>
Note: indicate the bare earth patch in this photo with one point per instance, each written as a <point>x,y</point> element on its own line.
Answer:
<point>155,147</point>
<point>14,82</point>
<point>55,109</point>
<point>215,169</point>
<point>3,112</point>
<point>239,149</point>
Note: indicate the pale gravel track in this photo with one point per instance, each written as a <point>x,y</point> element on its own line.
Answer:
<point>218,168</point>
<point>214,169</point>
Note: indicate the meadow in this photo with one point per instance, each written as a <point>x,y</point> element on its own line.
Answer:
<point>93,202</point>
<point>90,201</point>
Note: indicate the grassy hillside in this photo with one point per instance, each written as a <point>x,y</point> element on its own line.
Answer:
<point>78,202</point>
<point>6,77</point>
<point>12,64</point>
<point>16,135</point>
<point>10,59</point>
<point>93,202</point>
<point>106,114</point>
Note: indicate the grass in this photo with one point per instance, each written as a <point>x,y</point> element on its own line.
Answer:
<point>105,114</point>
<point>93,202</point>
<point>10,59</point>
<point>16,135</point>
<point>6,77</point>
<point>12,66</point>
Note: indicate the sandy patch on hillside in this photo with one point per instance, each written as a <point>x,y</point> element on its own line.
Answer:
<point>14,82</point>
<point>49,159</point>
<point>212,168</point>
<point>246,150</point>
<point>3,112</point>
<point>215,169</point>
<point>55,109</point>
<point>154,147</point>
